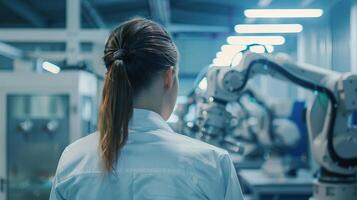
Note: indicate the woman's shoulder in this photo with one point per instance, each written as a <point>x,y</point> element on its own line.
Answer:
<point>84,144</point>
<point>82,152</point>
<point>188,145</point>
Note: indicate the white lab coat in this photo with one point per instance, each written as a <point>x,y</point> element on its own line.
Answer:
<point>156,163</point>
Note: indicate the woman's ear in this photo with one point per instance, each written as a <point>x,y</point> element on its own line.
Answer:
<point>169,78</point>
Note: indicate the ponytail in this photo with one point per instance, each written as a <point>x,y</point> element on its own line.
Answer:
<point>115,112</point>
<point>134,54</point>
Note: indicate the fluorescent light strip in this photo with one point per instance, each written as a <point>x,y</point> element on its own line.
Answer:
<point>233,48</point>
<point>229,54</point>
<point>246,40</point>
<point>283,13</point>
<point>268,28</point>
<point>219,54</point>
<point>228,51</point>
<point>50,67</point>
<point>227,60</point>
<point>257,49</point>
<point>226,55</point>
<point>221,62</point>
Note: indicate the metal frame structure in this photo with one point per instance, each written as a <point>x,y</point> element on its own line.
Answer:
<point>73,35</point>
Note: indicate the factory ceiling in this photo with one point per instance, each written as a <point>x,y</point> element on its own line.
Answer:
<point>210,15</point>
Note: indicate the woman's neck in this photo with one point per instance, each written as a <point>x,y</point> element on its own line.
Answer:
<point>148,103</point>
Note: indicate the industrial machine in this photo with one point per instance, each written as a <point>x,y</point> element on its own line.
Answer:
<point>332,133</point>
<point>40,114</point>
<point>248,122</point>
<point>250,129</point>
<point>264,132</point>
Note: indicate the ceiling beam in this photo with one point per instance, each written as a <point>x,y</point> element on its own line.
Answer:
<point>73,27</point>
<point>59,55</point>
<point>90,35</point>
<point>264,3</point>
<point>353,35</point>
<point>104,2</point>
<point>51,35</point>
<point>10,51</point>
<point>160,11</point>
<point>306,3</point>
<point>26,12</point>
<point>189,28</point>
<point>92,11</point>
<point>201,18</point>
<point>229,3</point>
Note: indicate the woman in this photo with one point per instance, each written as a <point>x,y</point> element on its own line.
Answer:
<point>135,154</point>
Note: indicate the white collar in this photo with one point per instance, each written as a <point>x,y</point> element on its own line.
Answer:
<point>146,120</point>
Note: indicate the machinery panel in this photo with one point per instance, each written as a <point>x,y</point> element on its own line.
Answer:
<point>37,130</point>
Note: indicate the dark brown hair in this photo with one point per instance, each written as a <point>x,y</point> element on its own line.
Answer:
<point>135,53</point>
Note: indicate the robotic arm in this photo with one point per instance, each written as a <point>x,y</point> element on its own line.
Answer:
<point>333,138</point>
<point>268,127</point>
<point>247,121</point>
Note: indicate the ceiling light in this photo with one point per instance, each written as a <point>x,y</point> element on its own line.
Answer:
<point>227,60</point>
<point>257,49</point>
<point>268,28</point>
<point>219,62</point>
<point>282,13</point>
<point>50,67</point>
<point>233,48</point>
<point>246,40</point>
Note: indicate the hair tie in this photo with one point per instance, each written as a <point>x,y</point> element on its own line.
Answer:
<point>120,54</point>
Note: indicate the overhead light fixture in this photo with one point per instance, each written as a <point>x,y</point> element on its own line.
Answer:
<point>219,54</point>
<point>257,49</point>
<point>50,67</point>
<point>283,13</point>
<point>246,40</point>
<point>268,28</point>
<point>219,62</point>
<point>229,51</point>
<point>225,55</point>
<point>232,54</point>
<point>233,48</point>
<point>261,48</point>
<point>228,59</point>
